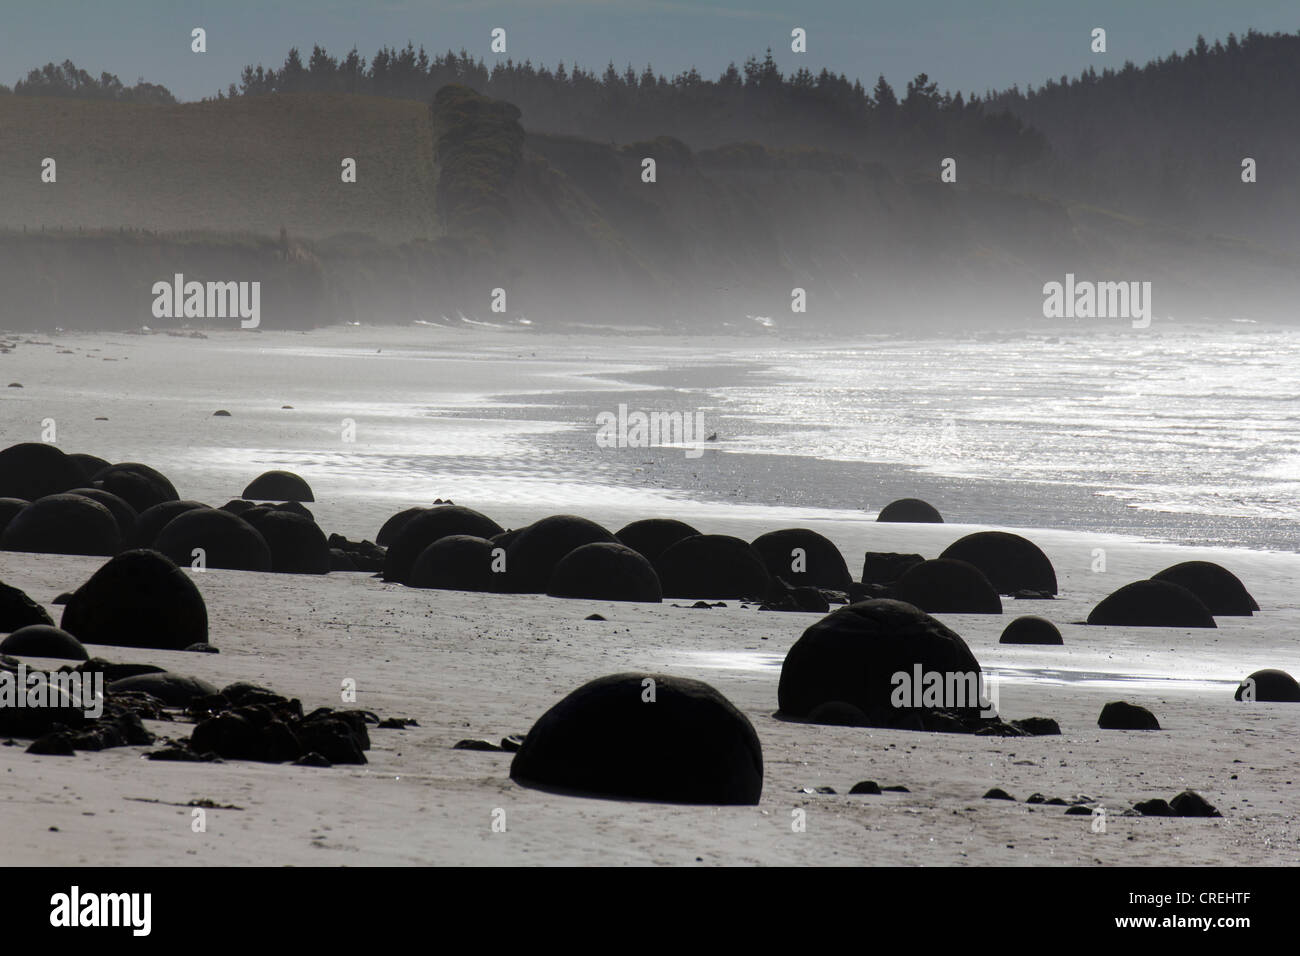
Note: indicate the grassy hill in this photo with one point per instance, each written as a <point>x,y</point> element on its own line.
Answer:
<point>248,165</point>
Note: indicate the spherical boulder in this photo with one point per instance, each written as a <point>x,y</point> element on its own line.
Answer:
<point>237,506</point>
<point>1152,604</point>
<point>90,465</point>
<point>715,566</point>
<point>297,545</point>
<point>139,485</point>
<point>226,541</point>
<point>138,599</point>
<point>1010,562</point>
<point>63,524</point>
<point>644,737</point>
<point>886,567</point>
<point>43,640</point>
<point>153,519</point>
<point>910,510</point>
<point>534,553</point>
<point>455,562</point>
<point>1218,588</point>
<point>394,525</point>
<point>32,470</point>
<point>17,610</point>
<point>8,508</point>
<point>869,656</point>
<point>605,571</point>
<point>1031,630</point>
<point>651,537</point>
<point>1267,685</point>
<point>278,486</point>
<point>174,690</point>
<point>425,528</point>
<point>1121,715</point>
<point>948,586</point>
<point>802,557</point>
<point>123,513</point>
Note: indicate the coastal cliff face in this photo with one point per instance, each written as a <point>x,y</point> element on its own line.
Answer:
<point>459,209</point>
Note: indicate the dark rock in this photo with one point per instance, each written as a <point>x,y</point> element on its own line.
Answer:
<point>115,672</point>
<point>1078,811</point>
<point>895,789</point>
<point>32,470</point>
<point>513,742</point>
<point>782,597</point>
<point>221,413</point>
<point>339,561</point>
<point>713,566</point>
<point>838,713</point>
<point>61,598</point>
<point>297,545</point>
<point>123,513</point>
<point>138,599</point>
<point>1152,604</point>
<point>534,554</point>
<point>802,558</point>
<point>43,640</point>
<point>1031,630</point>
<point>174,690</point>
<point>227,541</point>
<point>278,486</point>
<point>203,648</point>
<point>910,510</point>
<point>1038,726</point>
<point>238,506</point>
<point>886,567</point>
<point>867,787</point>
<point>476,744</point>
<point>90,465</point>
<point>427,527</point>
<point>997,793</point>
<point>17,610</point>
<point>1029,594</point>
<point>1154,808</point>
<point>55,744</point>
<point>312,760</point>
<point>393,526</point>
<point>1010,562</point>
<point>1189,803</point>
<point>8,508</point>
<point>363,555</point>
<point>948,586</point>
<point>853,654</point>
<point>1214,585</point>
<point>594,617</point>
<point>687,745</point>
<point>455,562</point>
<point>152,520</point>
<point>63,524</point>
<point>1035,798</point>
<point>295,507</point>
<point>139,485</point>
<point>651,537</point>
<point>1055,802</point>
<point>605,571</point>
<point>1121,715</point>
<point>1266,685</point>
<point>869,592</point>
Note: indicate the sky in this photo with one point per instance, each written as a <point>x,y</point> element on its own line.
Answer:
<point>964,45</point>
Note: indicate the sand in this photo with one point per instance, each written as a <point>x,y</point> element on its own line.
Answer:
<point>467,665</point>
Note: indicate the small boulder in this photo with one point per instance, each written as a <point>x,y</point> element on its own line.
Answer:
<point>278,486</point>
<point>1152,604</point>
<point>803,558</point>
<point>1121,715</point>
<point>534,554</point>
<point>43,640</point>
<point>63,524</point>
<point>713,566</point>
<point>455,562</point>
<point>605,571</point>
<point>910,510</point>
<point>138,599</point>
<point>1217,588</point>
<point>1010,562</point>
<point>1270,685</point>
<point>1031,630</point>
<point>948,586</point>
<point>226,540</point>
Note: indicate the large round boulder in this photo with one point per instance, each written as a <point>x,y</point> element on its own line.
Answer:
<point>1218,588</point>
<point>123,513</point>
<point>174,690</point>
<point>455,562</point>
<point>90,465</point>
<point>802,557</point>
<point>63,524</point>
<point>1010,562</point>
<point>1266,685</point>
<point>605,571</point>
<point>870,656</point>
<point>43,640</point>
<point>394,525</point>
<point>425,528</point>
<point>644,737</point>
<point>32,470</point>
<point>651,537</point>
<point>278,486</point>
<point>17,610</point>
<point>139,485</point>
<point>1031,630</point>
<point>534,553</point>
<point>910,510</point>
<point>297,545</point>
<point>948,586</point>
<point>714,566</point>
<point>226,541</point>
<point>138,599</point>
<point>1152,604</point>
<point>153,519</point>
<point>8,508</point>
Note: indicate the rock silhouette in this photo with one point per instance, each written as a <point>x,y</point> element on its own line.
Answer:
<point>278,486</point>
<point>535,552</point>
<point>605,571</point>
<point>455,562</point>
<point>90,465</point>
<point>32,470</point>
<point>297,545</point>
<point>910,510</point>
<point>1152,604</point>
<point>713,566</point>
<point>123,513</point>
<point>1010,562</point>
<point>174,690</point>
<point>823,565</point>
<point>8,508</point>
<point>1217,588</point>
<point>886,567</point>
<point>1121,715</point>
<point>63,524</point>
<point>138,599</point>
<point>394,525</point>
<point>1031,630</point>
<point>139,485</point>
<point>153,519</point>
<point>653,536</point>
<point>227,541</point>
<point>43,640</point>
<point>427,527</point>
<point>17,610</point>
<point>948,586</point>
<point>674,740</point>
<point>1265,685</point>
